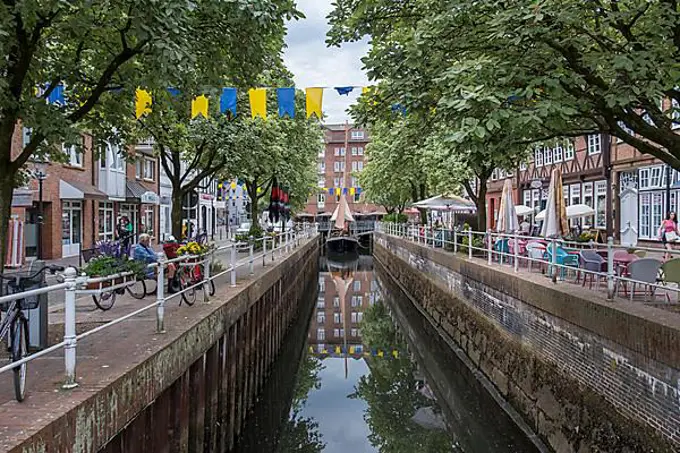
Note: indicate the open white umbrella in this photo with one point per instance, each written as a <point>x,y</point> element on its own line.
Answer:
<point>522,210</point>
<point>555,217</point>
<point>447,203</point>
<point>507,217</point>
<point>574,211</point>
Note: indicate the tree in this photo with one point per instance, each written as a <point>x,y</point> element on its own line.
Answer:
<point>99,53</point>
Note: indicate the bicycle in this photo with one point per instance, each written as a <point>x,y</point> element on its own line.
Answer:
<point>14,326</point>
<point>186,277</point>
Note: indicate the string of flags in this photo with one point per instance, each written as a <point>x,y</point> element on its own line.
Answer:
<point>228,100</point>
<point>355,352</point>
<point>344,190</point>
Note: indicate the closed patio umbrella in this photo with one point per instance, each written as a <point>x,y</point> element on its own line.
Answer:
<point>507,217</point>
<point>555,222</point>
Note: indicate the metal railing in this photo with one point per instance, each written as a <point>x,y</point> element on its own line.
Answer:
<point>465,240</point>
<point>73,285</point>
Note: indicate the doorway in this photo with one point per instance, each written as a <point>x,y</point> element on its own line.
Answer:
<point>71,227</point>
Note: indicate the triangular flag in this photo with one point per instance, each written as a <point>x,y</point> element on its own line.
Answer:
<point>228,101</point>
<point>331,191</point>
<point>286,98</point>
<point>395,353</point>
<point>351,350</point>
<point>174,92</point>
<point>344,191</point>
<point>142,103</point>
<point>233,184</point>
<point>199,106</point>
<point>352,190</point>
<point>344,90</point>
<point>258,102</point>
<point>337,191</point>
<point>337,349</point>
<point>365,90</point>
<point>358,190</point>
<point>314,101</point>
<point>57,95</point>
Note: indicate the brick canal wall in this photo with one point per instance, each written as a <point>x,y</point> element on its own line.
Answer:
<point>586,375</point>
<point>193,394</point>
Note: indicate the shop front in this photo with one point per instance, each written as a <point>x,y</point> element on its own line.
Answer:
<point>140,209</point>
<point>74,197</point>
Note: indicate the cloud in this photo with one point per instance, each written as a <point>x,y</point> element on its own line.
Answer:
<point>314,64</point>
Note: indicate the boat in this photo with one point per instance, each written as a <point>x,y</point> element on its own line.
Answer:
<point>339,240</point>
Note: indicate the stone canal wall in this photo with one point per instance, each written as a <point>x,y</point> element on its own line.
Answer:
<point>193,393</point>
<point>586,375</point>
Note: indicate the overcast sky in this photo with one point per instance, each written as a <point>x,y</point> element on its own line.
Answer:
<point>314,64</point>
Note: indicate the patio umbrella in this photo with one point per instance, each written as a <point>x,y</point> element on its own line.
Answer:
<point>522,210</point>
<point>574,211</point>
<point>555,223</point>
<point>447,203</point>
<point>507,217</point>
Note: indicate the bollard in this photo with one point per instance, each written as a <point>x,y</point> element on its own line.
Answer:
<point>470,244</point>
<point>160,298</point>
<point>489,241</point>
<point>553,259</point>
<point>455,241</point>
<point>264,250</point>
<point>610,269</point>
<point>515,257</point>
<point>70,339</point>
<point>251,250</point>
<point>233,265</point>
<point>206,278</point>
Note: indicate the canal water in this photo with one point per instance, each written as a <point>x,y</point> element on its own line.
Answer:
<point>352,380</point>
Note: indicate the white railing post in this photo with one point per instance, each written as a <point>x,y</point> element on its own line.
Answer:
<point>251,251</point>
<point>70,338</point>
<point>489,246</point>
<point>553,259</point>
<point>264,250</point>
<point>160,298</point>
<point>610,269</point>
<point>206,277</point>
<point>515,253</point>
<point>233,265</point>
<point>274,244</point>
<point>470,244</point>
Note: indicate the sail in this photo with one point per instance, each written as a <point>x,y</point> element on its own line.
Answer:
<point>342,214</point>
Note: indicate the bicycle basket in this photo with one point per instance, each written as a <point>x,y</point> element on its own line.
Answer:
<point>24,284</point>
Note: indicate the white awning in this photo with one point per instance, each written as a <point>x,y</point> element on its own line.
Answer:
<point>71,190</point>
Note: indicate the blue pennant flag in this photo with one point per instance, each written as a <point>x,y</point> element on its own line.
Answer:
<point>57,95</point>
<point>286,98</point>
<point>174,92</point>
<point>344,90</point>
<point>228,101</point>
<point>331,191</point>
<point>358,190</point>
<point>399,108</point>
<point>344,191</point>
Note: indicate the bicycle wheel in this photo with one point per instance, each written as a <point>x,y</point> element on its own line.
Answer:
<point>19,351</point>
<point>186,281</point>
<point>211,289</point>
<point>104,301</point>
<point>138,288</point>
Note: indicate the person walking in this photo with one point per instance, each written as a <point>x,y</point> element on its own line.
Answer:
<point>668,233</point>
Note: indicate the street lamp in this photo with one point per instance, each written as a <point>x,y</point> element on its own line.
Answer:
<point>40,173</point>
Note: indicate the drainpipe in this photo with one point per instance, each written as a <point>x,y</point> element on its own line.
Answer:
<point>668,189</point>
<point>607,173</point>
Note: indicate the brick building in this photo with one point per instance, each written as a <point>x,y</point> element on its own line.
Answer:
<point>634,195</point>
<point>339,165</point>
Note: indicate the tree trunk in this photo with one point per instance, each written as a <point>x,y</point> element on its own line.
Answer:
<point>176,213</point>
<point>6,191</point>
<point>254,205</point>
<point>481,205</point>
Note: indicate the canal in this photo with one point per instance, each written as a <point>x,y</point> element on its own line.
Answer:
<point>363,371</point>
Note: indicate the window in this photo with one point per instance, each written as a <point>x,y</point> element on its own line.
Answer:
<point>354,151</point>
<point>74,155</point>
<point>354,301</point>
<point>643,177</point>
<point>594,144</point>
<point>336,166</point>
<point>336,151</point>
<point>548,156</point>
<point>656,175</point>
<point>357,135</point>
<point>569,151</point>
<point>105,221</point>
<point>320,334</point>
<point>322,153</point>
<point>322,284</point>
<point>522,166</point>
<point>336,182</point>
<point>321,200</point>
<point>360,301</point>
<point>27,132</point>
<point>355,166</point>
<point>147,221</point>
<point>527,198</point>
<point>627,179</point>
<point>494,174</point>
<point>558,153</point>
<point>354,181</point>
<point>321,348</point>
<point>339,151</point>
<point>645,215</point>
<point>588,199</point>
<point>321,182</point>
<point>336,302</point>
<point>600,204</point>
<point>336,318</point>
<point>657,211</point>
<point>355,333</point>
<point>320,302</point>
<point>138,169</point>
<point>357,285</point>
<point>336,333</point>
<point>538,157</point>
<point>320,317</point>
<point>361,166</point>
<point>149,169</point>
<point>357,197</point>
<point>361,148</point>
<point>353,317</point>
<point>322,167</point>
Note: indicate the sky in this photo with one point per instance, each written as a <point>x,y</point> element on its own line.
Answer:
<point>315,65</point>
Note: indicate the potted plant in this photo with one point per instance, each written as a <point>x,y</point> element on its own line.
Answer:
<point>111,260</point>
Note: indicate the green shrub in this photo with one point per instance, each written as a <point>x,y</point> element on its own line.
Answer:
<point>395,218</point>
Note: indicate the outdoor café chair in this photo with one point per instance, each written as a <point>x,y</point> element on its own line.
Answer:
<point>535,251</point>
<point>670,271</point>
<point>589,260</point>
<point>563,259</point>
<point>644,270</point>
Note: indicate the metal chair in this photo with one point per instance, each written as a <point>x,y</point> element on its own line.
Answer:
<point>590,261</point>
<point>644,270</point>
<point>563,259</point>
<point>535,251</point>
<point>671,273</point>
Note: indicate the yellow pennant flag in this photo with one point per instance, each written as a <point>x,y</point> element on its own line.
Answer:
<point>395,353</point>
<point>142,103</point>
<point>258,102</point>
<point>314,101</point>
<point>365,90</point>
<point>199,106</point>
<point>380,353</point>
<point>337,349</point>
<point>352,190</point>
<point>233,184</point>
<point>351,350</point>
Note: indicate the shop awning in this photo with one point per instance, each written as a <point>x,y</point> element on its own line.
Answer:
<point>72,190</point>
<point>137,192</point>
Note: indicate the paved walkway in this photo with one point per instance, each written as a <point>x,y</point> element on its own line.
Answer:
<point>103,355</point>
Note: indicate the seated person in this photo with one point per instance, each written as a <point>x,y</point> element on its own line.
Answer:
<point>143,252</point>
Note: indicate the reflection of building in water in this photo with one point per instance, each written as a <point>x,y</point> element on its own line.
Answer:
<point>335,323</point>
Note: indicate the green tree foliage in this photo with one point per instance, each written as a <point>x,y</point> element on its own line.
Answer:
<point>101,51</point>
<point>390,392</point>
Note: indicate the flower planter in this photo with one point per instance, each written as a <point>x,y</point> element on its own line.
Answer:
<point>105,284</point>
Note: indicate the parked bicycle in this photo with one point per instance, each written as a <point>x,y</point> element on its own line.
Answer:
<point>14,325</point>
